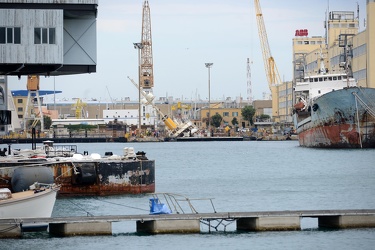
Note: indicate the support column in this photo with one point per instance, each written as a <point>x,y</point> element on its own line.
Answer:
<point>81,228</point>
<point>10,231</point>
<point>269,223</point>
<point>168,226</point>
<point>347,221</point>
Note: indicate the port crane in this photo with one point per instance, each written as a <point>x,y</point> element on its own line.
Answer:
<point>176,129</point>
<point>272,73</point>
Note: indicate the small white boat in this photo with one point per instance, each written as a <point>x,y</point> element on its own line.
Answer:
<point>38,202</point>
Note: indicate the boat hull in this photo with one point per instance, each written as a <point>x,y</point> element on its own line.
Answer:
<point>29,205</point>
<point>338,120</point>
<point>92,178</point>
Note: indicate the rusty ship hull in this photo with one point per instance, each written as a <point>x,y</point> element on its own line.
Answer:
<point>101,177</point>
<point>339,119</point>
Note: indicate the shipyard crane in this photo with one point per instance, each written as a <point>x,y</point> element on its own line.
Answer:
<point>272,73</point>
<point>146,65</point>
<point>78,108</point>
<point>175,128</point>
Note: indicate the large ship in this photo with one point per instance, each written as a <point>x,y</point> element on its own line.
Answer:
<point>331,111</point>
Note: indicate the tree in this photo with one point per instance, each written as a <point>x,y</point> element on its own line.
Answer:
<point>234,121</point>
<point>248,113</point>
<point>216,120</point>
<point>264,117</point>
<point>47,122</point>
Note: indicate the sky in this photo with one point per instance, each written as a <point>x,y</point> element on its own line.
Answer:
<point>186,34</point>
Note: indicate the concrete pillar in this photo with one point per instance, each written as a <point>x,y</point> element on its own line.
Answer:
<point>347,221</point>
<point>10,231</point>
<point>81,228</point>
<point>168,226</point>
<point>278,223</point>
<point>370,43</point>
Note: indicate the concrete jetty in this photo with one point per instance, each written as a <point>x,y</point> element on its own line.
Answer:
<point>190,223</point>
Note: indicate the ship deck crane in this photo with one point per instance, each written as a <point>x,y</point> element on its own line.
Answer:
<point>272,73</point>
<point>176,129</point>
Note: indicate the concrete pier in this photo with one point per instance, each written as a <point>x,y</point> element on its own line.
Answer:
<point>81,228</point>
<point>192,222</point>
<point>168,226</point>
<point>10,230</point>
<point>347,221</point>
<point>279,223</point>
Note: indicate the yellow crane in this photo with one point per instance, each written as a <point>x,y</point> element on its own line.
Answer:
<point>78,107</point>
<point>272,73</point>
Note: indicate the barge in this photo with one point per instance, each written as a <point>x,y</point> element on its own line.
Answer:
<point>81,174</point>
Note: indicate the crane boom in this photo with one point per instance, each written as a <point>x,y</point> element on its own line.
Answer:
<point>176,129</point>
<point>272,73</point>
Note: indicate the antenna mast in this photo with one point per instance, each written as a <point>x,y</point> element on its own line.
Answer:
<point>147,74</point>
<point>249,87</point>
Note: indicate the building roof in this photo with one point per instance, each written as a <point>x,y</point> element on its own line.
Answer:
<point>23,93</point>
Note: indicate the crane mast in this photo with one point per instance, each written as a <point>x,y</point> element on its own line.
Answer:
<point>146,67</point>
<point>272,73</point>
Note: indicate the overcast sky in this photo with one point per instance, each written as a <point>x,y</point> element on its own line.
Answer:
<point>186,34</point>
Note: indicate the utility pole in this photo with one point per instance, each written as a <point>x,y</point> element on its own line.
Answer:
<point>209,65</point>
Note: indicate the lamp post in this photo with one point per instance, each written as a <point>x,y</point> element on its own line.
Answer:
<point>139,46</point>
<point>209,65</point>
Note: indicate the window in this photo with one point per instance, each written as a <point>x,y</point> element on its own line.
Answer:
<point>17,35</point>
<point>10,35</point>
<point>234,114</point>
<point>2,35</point>
<point>44,36</point>
<point>52,36</point>
<point>37,36</point>
<point>225,113</point>
<point>19,101</point>
<point>20,109</point>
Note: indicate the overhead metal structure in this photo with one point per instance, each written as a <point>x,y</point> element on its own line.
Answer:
<point>272,73</point>
<point>146,67</point>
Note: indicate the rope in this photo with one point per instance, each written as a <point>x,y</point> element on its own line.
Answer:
<point>366,107</point>
<point>113,203</point>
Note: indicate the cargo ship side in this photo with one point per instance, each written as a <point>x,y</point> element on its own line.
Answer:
<point>342,118</point>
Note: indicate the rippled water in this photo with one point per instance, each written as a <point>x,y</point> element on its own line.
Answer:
<point>240,176</point>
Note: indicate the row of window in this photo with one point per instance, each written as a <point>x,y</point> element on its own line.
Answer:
<point>234,114</point>
<point>310,42</point>
<point>12,35</point>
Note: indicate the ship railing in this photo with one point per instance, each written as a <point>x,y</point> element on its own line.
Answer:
<point>180,204</point>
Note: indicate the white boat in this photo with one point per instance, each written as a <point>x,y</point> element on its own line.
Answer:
<point>38,202</point>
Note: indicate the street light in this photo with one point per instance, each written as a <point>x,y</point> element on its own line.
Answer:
<point>209,65</point>
<point>139,46</point>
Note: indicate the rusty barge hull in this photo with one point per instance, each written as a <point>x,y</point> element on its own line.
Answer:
<point>339,119</point>
<point>91,178</point>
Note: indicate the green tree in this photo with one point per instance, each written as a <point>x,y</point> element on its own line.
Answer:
<point>216,120</point>
<point>248,113</point>
<point>264,117</point>
<point>234,121</point>
<point>47,122</point>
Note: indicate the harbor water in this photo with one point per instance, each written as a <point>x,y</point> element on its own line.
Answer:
<point>240,176</point>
